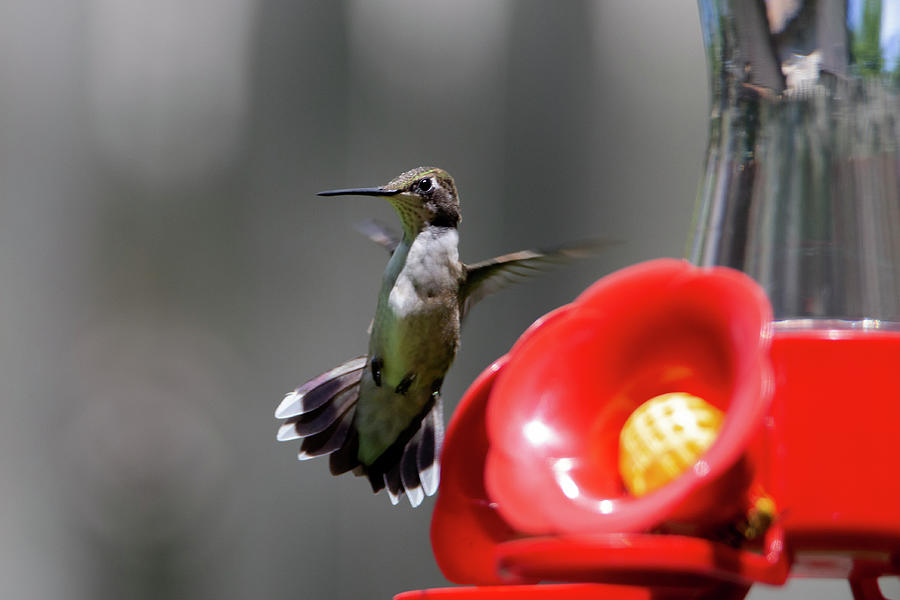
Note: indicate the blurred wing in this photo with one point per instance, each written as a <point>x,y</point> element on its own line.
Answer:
<point>492,275</point>
<point>379,233</point>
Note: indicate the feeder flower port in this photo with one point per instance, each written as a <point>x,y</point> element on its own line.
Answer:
<point>789,470</point>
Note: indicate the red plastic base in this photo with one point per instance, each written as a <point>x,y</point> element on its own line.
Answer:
<point>667,560</point>
<point>576,591</point>
<point>835,429</point>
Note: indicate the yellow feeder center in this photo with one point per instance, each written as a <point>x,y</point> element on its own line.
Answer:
<point>663,438</point>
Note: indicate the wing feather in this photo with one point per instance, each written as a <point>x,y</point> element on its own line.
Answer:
<point>486,277</point>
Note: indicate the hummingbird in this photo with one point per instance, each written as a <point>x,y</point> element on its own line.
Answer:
<point>380,415</point>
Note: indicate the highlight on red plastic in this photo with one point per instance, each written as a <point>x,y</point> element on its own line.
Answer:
<point>557,408</point>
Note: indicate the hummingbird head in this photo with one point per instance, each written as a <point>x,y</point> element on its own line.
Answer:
<point>422,197</point>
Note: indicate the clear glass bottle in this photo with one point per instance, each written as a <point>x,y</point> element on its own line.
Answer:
<point>802,182</point>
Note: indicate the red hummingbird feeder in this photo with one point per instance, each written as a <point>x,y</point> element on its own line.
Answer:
<point>689,430</point>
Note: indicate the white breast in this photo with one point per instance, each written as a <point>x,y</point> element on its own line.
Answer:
<point>430,272</point>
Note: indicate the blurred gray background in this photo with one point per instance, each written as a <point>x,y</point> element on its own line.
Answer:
<point>168,273</point>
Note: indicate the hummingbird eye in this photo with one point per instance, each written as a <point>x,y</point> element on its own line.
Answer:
<point>423,186</point>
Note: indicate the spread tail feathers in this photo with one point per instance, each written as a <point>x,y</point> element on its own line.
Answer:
<point>320,413</point>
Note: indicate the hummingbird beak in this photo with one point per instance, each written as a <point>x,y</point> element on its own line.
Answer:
<point>370,191</point>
